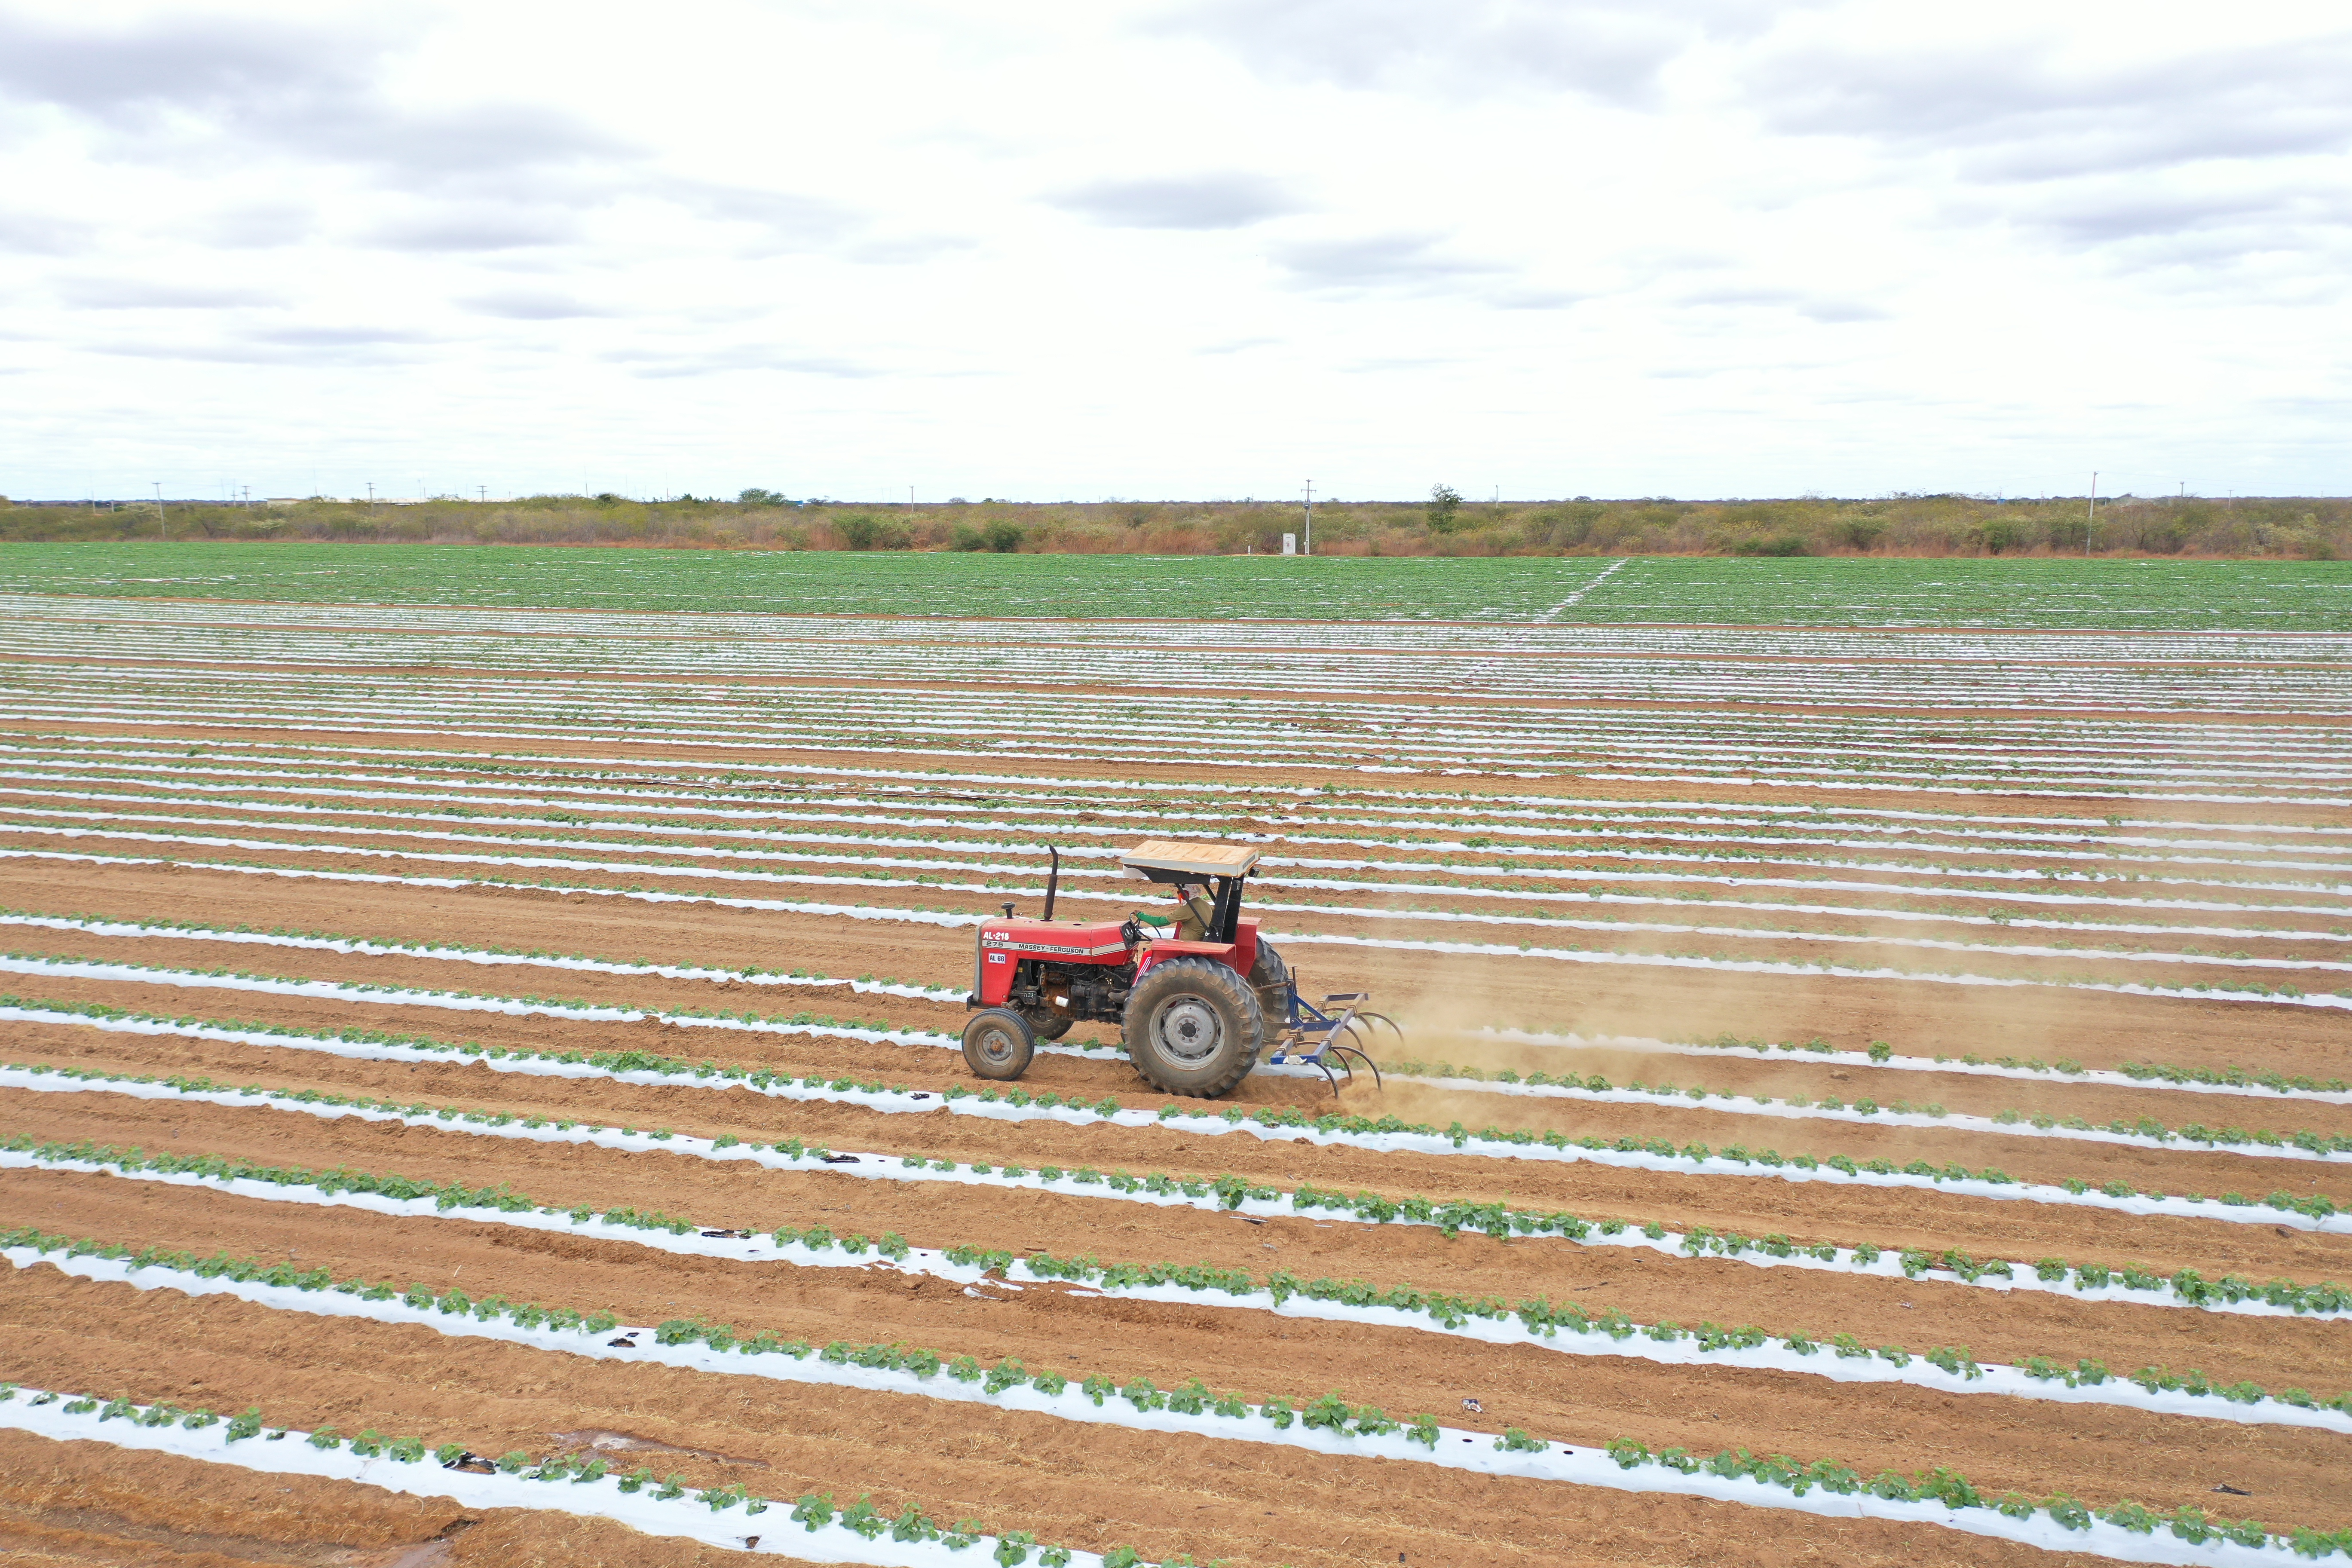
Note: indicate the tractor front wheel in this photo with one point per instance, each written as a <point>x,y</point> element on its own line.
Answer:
<point>1193,1027</point>
<point>998,1044</point>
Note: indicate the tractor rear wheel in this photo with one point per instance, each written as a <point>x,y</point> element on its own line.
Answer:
<point>998,1044</point>
<point>1270,978</point>
<point>1193,1027</point>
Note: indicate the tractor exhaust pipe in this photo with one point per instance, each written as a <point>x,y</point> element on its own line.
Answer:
<point>1053,882</point>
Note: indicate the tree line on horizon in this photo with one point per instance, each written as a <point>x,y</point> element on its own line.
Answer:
<point>2307,528</point>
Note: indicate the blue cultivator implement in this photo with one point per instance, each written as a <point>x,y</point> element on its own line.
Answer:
<point>1322,1040</point>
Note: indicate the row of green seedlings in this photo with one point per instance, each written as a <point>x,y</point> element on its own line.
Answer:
<point>2190,1523</point>
<point>2322,1144</point>
<point>2188,1284</point>
<point>2146,1072</point>
<point>1331,1413</point>
<point>1878,1050</point>
<point>859,786</point>
<point>813,1510</point>
<point>2314,1205</point>
<point>1443,1310</point>
<point>986,890</point>
<point>1937,1484</point>
<point>1500,1220</point>
<point>394,945</point>
<point>575,1004</point>
<point>2319,1143</point>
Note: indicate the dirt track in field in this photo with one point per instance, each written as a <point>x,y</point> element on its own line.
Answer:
<point>1254,1505</point>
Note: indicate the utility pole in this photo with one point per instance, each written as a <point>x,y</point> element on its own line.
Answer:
<point>2092,515</point>
<point>161,529</point>
<point>1310,517</point>
<point>248,497</point>
<point>482,493</point>
<point>371,498</point>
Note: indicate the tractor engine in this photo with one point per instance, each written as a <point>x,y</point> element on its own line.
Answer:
<point>1052,975</point>
<point>1067,991</point>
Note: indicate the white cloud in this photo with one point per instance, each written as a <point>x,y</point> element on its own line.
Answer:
<point>1177,246</point>
<point>1232,200</point>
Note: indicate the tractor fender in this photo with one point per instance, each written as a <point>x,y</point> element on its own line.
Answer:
<point>1240,956</point>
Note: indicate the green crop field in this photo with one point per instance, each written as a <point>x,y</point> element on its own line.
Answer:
<point>2131,594</point>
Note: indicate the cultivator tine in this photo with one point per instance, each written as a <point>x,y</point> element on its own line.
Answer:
<point>1346,1051</point>
<point>1395,1027</point>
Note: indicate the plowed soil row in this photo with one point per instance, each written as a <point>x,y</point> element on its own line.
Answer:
<point>2099,1450</point>
<point>1257,1504</point>
<point>1930,908</point>
<point>675,761</point>
<point>1924,1019</point>
<point>2174,1170</point>
<point>2097,1103</point>
<point>740,1196</point>
<point>1890,869</point>
<point>1752,1205</point>
<point>1174,1493</point>
<point>1934,869</point>
<point>1386,918</point>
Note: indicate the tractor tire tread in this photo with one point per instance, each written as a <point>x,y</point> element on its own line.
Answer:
<point>1207,977</point>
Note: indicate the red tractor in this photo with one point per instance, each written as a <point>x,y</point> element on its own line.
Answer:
<point>1198,998</point>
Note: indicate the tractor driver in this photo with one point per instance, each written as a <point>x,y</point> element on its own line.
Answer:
<point>1193,924</point>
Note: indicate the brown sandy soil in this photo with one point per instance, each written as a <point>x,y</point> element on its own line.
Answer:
<point>711,1112</point>
<point>356,1374</point>
<point>2176,1170</point>
<point>434,745</point>
<point>727,1194</point>
<point>1540,1389</point>
<point>553,809</point>
<point>1261,1506</point>
<point>1981,1096</point>
<point>1760,935</point>
<point>614,873</point>
<point>1888,871</point>
<point>1174,1493</point>
<point>1917,1017</point>
<point>64,1505</point>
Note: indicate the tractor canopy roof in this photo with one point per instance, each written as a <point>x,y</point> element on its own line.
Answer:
<point>1165,861</point>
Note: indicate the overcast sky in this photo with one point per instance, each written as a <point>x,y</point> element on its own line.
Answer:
<point>1170,249</point>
